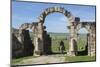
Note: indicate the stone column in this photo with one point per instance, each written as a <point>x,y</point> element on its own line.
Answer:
<point>89,43</point>
<point>94,44</point>
<point>73,42</point>
<point>36,45</point>
<point>38,40</point>
<point>73,37</point>
<point>91,47</point>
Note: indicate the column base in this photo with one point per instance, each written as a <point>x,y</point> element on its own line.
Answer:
<point>37,53</point>
<point>72,53</point>
<point>92,53</point>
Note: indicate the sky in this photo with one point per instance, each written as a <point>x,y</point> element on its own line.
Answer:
<point>28,12</point>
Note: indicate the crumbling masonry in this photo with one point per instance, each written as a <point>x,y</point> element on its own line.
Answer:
<point>41,37</point>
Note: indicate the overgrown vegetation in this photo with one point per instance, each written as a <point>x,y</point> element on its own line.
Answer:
<point>79,58</point>
<point>56,39</point>
<point>18,60</point>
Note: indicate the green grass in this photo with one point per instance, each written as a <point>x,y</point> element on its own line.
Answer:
<point>79,58</point>
<point>56,39</point>
<point>17,60</point>
<point>56,43</point>
<point>81,44</point>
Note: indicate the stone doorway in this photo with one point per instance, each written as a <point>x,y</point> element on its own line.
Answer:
<point>82,42</point>
<point>54,40</point>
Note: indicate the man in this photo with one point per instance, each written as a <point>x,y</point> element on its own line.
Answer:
<point>62,47</point>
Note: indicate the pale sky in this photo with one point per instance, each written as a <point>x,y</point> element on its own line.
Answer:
<point>23,12</point>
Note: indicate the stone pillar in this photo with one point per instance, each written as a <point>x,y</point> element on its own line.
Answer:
<point>38,40</point>
<point>72,47</point>
<point>89,43</point>
<point>73,37</point>
<point>91,47</point>
<point>73,42</point>
<point>94,44</point>
<point>20,36</point>
<point>36,45</point>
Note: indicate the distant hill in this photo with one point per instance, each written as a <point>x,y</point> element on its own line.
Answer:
<point>52,34</point>
<point>60,34</point>
<point>64,35</point>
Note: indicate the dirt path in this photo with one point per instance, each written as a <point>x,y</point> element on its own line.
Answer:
<point>43,60</point>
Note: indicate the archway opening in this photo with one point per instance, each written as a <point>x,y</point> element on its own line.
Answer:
<point>82,41</point>
<point>28,42</point>
<point>31,33</point>
<point>58,33</point>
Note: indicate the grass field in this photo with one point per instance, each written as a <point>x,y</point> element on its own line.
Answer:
<point>56,38</point>
<point>18,60</point>
<point>79,58</point>
<point>68,59</point>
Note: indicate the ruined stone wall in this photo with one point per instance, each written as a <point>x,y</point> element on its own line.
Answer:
<point>17,47</point>
<point>42,40</point>
<point>22,45</point>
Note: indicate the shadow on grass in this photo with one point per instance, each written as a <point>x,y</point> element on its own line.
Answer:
<point>59,53</point>
<point>82,53</point>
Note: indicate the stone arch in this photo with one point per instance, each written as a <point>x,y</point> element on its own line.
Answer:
<point>83,25</point>
<point>24,26</point>
<point>90,27</point>
<point>74,26</point>
<point>24,36</point>
<point>50,10</point>
<point>72,23</point>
